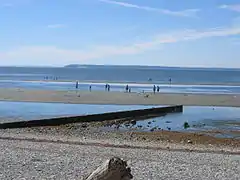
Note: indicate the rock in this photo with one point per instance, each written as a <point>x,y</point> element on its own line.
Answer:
<point>153,129</point>
<point>84,125</point>
<point>133,122</point>
<point>189,141</point>
<point>186,125</point>
<point>149,122</point>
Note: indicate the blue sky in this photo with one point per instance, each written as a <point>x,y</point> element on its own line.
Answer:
<point>189,33</point>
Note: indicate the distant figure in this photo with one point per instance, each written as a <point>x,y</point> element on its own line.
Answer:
<point>108,88</point>
<point>158,88</point>
<point>154,89</point>
<point>76,84</point>
<point>170,81</point>
<point>90,88</point>
<point>127,88</point>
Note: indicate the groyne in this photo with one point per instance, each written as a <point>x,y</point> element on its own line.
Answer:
<point>133,114</point>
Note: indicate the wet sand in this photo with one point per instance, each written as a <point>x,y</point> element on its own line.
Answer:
<point>121,98</point>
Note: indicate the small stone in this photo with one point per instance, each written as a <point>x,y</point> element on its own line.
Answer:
<point>84,125</point>
<point>133,122</point>
<point>189,141</point>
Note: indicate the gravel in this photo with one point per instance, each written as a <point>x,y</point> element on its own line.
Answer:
<point>41,160</point>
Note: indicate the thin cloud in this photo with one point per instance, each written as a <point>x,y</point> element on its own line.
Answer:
<point>233,7</point>
<point>63,56</point>
<point>184,13</point>
<point>56,26</point>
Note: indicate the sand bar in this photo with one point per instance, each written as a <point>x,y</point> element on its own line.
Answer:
<point>85,97</point>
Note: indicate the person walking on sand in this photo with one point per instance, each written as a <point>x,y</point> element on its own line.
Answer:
<point>154,89</point>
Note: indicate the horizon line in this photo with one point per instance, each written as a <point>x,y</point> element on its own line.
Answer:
<point>118,65</point>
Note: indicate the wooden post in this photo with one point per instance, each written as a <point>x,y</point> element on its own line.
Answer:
<point>113,169</point>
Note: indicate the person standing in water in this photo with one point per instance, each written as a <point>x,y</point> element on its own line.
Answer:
<point>127,88</point>
<point>90,88</point>
<point>108,87</point>
<point>170,81</point>
<point>154,89</point>
<point>76,84</point>
<point>158,88</point>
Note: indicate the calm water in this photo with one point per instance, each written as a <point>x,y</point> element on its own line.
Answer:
<point>135,77</point>
<point>15,111</point>
<point>164,88</point>
<point>199,118</point>
<point>135,74</point>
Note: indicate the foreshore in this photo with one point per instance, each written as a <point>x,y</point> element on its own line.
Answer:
<point>132,82</point>
<point>75,150</point>
<point>121,98</point>
<point>86,146</point>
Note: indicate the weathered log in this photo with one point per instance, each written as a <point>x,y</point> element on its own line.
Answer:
<point>113,169</point>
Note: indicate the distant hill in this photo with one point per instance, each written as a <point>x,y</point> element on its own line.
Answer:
<point>146,67</point>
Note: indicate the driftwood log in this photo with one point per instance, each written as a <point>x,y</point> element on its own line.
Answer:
<point>113,169</point>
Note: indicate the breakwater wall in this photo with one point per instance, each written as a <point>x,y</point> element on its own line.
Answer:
<point>134,114</point>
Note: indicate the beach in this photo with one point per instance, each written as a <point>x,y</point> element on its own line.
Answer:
<point>44,160</point>
<point>75,150</point>
<point>121,98</point>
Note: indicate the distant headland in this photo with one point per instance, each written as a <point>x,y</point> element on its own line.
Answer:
<point>144,67</point>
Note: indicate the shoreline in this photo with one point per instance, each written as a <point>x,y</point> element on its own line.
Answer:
<point>127,82</point>
<point>117,98</point>
<point>91,134</point>
<point>75,158</point>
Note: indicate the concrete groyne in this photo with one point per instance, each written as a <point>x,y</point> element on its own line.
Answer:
<point>134,114</point>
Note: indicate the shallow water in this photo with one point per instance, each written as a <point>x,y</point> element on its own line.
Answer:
<point>164,88</point>
<point>225,120</point>
<point>15,111</point>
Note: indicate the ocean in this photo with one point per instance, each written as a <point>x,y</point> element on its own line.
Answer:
<point>124,74</point>
<point>139,78</point>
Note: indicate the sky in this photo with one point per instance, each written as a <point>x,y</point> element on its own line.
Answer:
<point>185,33</point>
